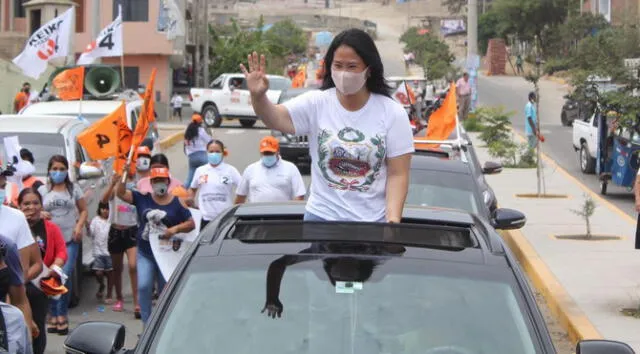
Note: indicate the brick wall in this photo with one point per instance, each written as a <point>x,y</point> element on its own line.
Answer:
<point>496,56</point>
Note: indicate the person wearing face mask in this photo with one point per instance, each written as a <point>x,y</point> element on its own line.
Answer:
<point>25,169</point>
<point>196,139</point>
<point>214,183</point>
<point>65,205</point>
<point>143,162</point>
<point>178,219</point>
<point>360,139</point>
<point>51,245</point>
<point>123,217</point>
<point>271,179</point>
<point>157,160</point>
<point>16,318</point>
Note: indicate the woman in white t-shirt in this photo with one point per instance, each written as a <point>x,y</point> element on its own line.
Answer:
<point>215,183</point>
<point>195,143</point>
<point>360,139</point>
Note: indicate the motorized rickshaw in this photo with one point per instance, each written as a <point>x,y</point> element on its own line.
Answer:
<point>618,148</point>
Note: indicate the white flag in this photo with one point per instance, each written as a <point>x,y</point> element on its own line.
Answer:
<point>48,42</point>
<point>402,95</point>
<point>175,27</point>
<point>108,44</point>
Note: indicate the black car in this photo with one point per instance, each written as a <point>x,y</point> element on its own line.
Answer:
<point>466,153</point>
<point>443,182</point>
<point>260,280</point>
<point>294,148</point>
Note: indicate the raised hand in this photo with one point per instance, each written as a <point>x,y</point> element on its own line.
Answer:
<point>256,76</point>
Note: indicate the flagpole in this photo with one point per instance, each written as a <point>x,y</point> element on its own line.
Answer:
<point>124,87</point>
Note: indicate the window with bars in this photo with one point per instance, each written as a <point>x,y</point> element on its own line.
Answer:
<point>132,10</point>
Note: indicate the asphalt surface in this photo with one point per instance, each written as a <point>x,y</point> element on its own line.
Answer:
<point>511,92</point>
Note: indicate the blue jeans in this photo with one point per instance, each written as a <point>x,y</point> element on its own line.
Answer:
<point>60,307</point>
<point>196,159</point>
<point>532,140</point>
<point>147,269</point>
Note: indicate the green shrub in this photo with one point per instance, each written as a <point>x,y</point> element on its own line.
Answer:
<point>496,125</point>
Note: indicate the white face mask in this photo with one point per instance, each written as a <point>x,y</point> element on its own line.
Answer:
<point>143,164</point>
<point>349,83</point>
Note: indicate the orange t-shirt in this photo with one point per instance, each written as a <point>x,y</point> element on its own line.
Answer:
<point>20,101</point>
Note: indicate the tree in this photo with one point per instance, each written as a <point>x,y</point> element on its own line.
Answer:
<point>431,53</point>
<point>586,211</point>
<point>488,28</point>
<point>286,38</point>
<point>231,45</point>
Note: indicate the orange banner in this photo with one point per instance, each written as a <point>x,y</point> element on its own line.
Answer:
<point>69,84</point>
<point>147,113</point>
<point>102,138</point>
<point>125,137</point>
<point>442,122</point>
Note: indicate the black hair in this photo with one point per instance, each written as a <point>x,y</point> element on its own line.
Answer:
<point>532,95</point>
<point>26,83</point>
<point>364,269</point>
<point>160,159</point>
<point>362,43</point>
<point>29,190</point>
<point>191,132</point>
<point>102,205</point>
<point>63,160</point>
<point>26,155</point>
<point>217,142</point>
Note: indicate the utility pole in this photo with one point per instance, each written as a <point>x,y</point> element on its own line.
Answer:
<point>205,73</point>
<point>472,29</point>
<point>196,39</point>
<point>95,22</point>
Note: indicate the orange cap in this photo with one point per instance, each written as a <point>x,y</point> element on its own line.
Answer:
<point>269,144</point>
<point>143,150</point>
<point>159,172</point>
<point>196,118</point>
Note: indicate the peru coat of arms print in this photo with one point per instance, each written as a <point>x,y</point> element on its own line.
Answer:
<point>348,161</point>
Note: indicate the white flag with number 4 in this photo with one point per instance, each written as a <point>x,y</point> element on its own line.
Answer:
<point>108,44</point>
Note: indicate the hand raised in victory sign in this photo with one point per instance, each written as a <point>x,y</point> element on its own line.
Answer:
<point>256,77</point>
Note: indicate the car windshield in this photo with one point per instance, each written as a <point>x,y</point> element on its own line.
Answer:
<point>400,306</point>
<point>42,145</point>
<point>279,83</point>
<point>442,189</point>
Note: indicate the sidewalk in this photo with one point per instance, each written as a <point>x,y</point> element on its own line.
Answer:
<point>585,283</point>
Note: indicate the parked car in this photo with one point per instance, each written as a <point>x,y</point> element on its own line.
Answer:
<point>467,153</point>
<point>411,287</point>
<point>46,136</point>
<point>294,148</point>
<point>93,110</point>
<point>228,97</point>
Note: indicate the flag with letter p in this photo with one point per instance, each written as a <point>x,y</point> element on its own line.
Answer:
<point>109,43</point>
<point>48,42</point>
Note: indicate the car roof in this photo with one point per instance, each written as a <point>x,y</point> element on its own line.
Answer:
<point>431,163</point>
<point>88,106</point>
<point>35,123</point>
<point>487,249</point>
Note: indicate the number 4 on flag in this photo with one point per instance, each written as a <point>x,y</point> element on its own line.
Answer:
<point>107,41</point>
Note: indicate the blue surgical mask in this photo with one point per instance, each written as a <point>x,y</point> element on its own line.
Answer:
<point>58,177</point>
<point>214,158</point>
<point>130,185</point>
<point>269,160</point>
<point>3,195</point>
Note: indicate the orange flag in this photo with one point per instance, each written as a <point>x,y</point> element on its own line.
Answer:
<point>146,115</point>
<point>442,122</point>
<point>69,84</point>
<point>102,138</point>
<point>125,137</point>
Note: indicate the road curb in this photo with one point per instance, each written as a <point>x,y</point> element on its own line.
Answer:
<point>171,140</point>
<point>557,80</point>
<point>560,303</point>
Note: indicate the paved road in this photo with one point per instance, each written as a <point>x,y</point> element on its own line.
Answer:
<point>511,92</point>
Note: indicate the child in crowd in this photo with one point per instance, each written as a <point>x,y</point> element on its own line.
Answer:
<point>102,264</point>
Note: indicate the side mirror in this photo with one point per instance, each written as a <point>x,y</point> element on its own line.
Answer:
<point>96,338</point>
<point>491,168</point>
<point>88,171</point>
<point>603,347</point>
<point>508,219</point>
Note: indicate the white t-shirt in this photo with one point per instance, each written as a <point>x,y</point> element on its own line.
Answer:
<point>99,231</point>
<point>215,188</point>
<point>176,101</point>
<point>15,227</point>
<point>348,152</point>
<point>280,183</point>
<point>199,143</point>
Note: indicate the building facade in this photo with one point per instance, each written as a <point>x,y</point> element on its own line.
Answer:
<point>617,12</point>
<point>145,42</point>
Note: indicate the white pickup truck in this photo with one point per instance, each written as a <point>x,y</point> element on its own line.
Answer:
<point>227,97</point>
<point>585,142</point>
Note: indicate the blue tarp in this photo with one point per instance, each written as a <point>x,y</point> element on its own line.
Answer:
<point>323,39</point>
